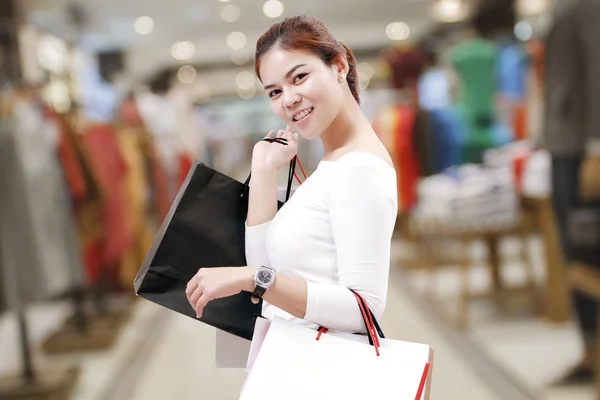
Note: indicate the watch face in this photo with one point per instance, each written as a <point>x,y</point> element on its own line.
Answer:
<point>265,276</point>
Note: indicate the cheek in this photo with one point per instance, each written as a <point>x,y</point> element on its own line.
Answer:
<point>277,108</point>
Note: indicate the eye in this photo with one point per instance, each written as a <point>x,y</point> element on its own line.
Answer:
<point>274,93</point>
<point>300,77</point>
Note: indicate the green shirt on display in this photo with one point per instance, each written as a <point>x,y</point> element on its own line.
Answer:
<point>475,62</point>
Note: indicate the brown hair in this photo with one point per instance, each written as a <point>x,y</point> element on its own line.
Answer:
<point>309,34</point>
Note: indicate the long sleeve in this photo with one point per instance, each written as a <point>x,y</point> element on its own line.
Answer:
<point>256,244</point>
<point>362,209</point>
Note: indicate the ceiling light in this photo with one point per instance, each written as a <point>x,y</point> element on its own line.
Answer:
<point>143,25</point>
<point>397,31</point>
<point>532,7</point>
<point>245,80</point>
<point>240,57</point>
<point>523,31</point>
<point>450,10</point>
<point>230,13</point>
<point>183,50</point>
<point>273,8</point>
<point>187,74</point>
<point>236,40</point>
<point>224,1</point>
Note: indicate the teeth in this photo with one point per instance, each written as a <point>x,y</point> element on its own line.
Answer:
<point>303,114</point>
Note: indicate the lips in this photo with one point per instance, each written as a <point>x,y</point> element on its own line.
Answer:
<point>299,116</point>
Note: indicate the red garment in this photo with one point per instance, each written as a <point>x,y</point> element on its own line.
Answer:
<point>520,122</point>
<point>68,158</point>
<point>185,163</point>
<point>92,257</point>
<point>407,161</point>
<point>109,168</point>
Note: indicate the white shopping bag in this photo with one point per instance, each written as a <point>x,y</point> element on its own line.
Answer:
<point>292,364</point>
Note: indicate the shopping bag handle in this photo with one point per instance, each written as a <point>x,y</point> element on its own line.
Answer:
<point>292,169</point>
<point>372,318</point>
<point>368,318</point>
<point>374,331</point>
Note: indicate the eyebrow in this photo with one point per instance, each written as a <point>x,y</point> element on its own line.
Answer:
<point>290,72</point>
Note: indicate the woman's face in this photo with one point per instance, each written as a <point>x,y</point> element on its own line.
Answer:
<point>305,93</point>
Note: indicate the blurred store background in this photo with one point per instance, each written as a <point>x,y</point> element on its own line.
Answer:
<point>105,105</point>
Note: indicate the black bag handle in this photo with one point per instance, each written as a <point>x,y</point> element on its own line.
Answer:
<point>292,169</point>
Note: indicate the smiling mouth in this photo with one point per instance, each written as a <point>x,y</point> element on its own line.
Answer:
<point>300,116</point>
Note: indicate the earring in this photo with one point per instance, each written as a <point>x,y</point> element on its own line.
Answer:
<point>343,76</point>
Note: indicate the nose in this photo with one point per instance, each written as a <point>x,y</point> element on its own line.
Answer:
<point>290,98</point>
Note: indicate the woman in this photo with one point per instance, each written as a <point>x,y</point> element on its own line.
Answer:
<point>335,233</point>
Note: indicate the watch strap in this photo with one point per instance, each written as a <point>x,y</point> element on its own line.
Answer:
<point>259,291</point>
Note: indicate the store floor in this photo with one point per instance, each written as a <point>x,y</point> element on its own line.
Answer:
<point>532,351</point>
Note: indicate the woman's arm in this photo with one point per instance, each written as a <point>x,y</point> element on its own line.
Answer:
<point>262,202</point>
<point>363,211</point>
<point>287,293</point>
<point>262,199</point>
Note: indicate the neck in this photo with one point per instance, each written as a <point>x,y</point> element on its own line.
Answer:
<point>346,130</point>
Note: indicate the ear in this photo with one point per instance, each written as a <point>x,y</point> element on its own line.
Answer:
<point>341,65</point>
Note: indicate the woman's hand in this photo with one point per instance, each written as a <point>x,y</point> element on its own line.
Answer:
<point>275,155</point>
<point>214,283</point>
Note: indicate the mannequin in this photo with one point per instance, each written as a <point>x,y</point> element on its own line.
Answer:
<point>571,134</point>
<point>474,60</point>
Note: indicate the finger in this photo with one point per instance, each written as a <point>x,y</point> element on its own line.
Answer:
<point>196,296</point>
<point>270,135</point>
<point>281,133</point>
<point>191,287</point>
<point>202,302</point>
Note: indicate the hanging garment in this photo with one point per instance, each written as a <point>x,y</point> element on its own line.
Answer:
<point>17,247</point>
<point>86,197</point>
<point>512,66</point>
<point>110,169</point>
<point>136,205</point>
<point>41,207</point>
<point>408,163</point>
<point>385,126</point>
<point>423,142</point>
<point>447,138</point>
<point>434,89</point>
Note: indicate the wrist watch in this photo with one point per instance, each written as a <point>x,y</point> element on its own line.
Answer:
<point>263,280</point>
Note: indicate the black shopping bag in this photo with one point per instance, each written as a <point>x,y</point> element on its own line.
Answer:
<point>205,228</point>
